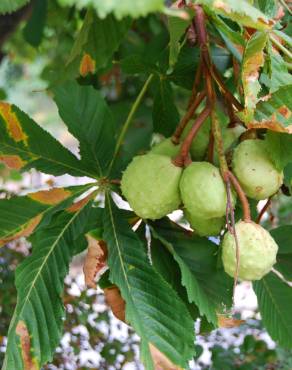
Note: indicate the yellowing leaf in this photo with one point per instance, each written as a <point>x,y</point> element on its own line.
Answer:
<point>50,197</point>
<point>229,322</point>
<point>28,362</point>
<point>87,65</point>
<point>13,125</point>
<point>161,362</point>
<point>12,161</point>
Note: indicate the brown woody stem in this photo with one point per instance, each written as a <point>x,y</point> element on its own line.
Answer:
<point>187,117</point>
<point>183,157</point>
<point>242,196</point>
<point>196,83</point>
<point>263,210</point>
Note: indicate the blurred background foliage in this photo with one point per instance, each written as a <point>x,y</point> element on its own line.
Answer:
<point>35,46</point>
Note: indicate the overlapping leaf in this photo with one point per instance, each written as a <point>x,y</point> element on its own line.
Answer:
<point>24,145</point>
<point>89,119</point>
<point>253,60</point>
<point>197,258</point>
<point>152,307</point>
<point>98,39</point>
<point>9,6</point>
<point>119,8</point>
<point>279,146</point>
<point>20,216</point>
<point>275,301</point>
<point>283,237</point>
<point>36,326</point>
<point>241,11</point>
<point>165,114</point>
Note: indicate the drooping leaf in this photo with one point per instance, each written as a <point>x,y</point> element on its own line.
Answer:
<point>33,30</point>
<point>279,145</point>
<point>20,216</point>
<point>283,237</point>
<point>165,114</point>
<point>152,307</point>
<point>253,60</point>
<point>24,145</point>
<point>120,9</point>
<point>89,119</point>
<point>39,282</point>
<point>9,6</point>
<point>275,300</point>
<point>197,258</point>
<point>275,111</point>
<point>241,11</point>
<point>98,39</point>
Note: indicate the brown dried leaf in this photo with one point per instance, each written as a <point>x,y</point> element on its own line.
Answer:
<point>95,260</point>
<point>50,197</point>
<point>161,362</point>
<point>12,161</point>
<point>29,363</point>
<point>116,302</point>
<point>87,65</point>
<point>229,322</point>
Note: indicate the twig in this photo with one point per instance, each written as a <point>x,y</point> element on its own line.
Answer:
<point>196,83</point>
<point>263,210</point>
<point>187,117</point>
<point>129,119</point>
<point>281,47</point>
<point>183,158</point>
<point>210,155</point>
<point>242,196</point>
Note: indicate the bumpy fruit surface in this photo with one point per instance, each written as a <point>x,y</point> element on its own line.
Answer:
<point>166,147</point>
<point>205,227</point>
<point>151,185</point>
<point>257,248</point>
<point>200,143</point>
<point>255,170</point>
<point>203,191</point>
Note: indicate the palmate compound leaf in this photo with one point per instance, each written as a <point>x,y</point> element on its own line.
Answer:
<point>9,6</point>
<point>36,326</point>
<point>24,145</point>
<point>90,120</point>
<point>154,310</point>
<point>241,11</point>
<point>207,286</point>
<point>275,302</point>
<point>20,216</point>
<point>97,40</point>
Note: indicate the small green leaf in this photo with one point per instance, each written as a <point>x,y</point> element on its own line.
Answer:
<point>177,27</point>
<point>98,39</point>
<point>119,8</point>
<point>253,60</point>
<point>165,114</point>
<point>9,6</point>
<point>279,145</point>
<point>89,119</point>
<point>39,282</point>
<point>275,301</point>
<point>152,307</point>
<point>240,11</point>
<point>24,145</point>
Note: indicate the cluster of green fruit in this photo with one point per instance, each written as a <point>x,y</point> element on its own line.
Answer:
<point>154,187</point>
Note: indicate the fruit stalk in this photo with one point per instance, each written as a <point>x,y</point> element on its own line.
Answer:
<point>242,196</point>
<point>263,210</point>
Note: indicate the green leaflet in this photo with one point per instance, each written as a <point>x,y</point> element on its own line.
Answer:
<point>197,258</point>
<point>240,11</point>
<point>98,39</point>
<point>20,216</point>
<point>152,307</point>
<point>253,60</point>
<point>24,145</point>
<point>165,114</point>
<point>119,8</point>
<point>90,120</point>
<point>283,237</point>
<point>279,145</point>
<point>9,6</point>
<point>275,301</point>
<point>39,282</point>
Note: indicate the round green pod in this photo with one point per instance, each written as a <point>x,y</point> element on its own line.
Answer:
<point>205,227</point>
<point>151,185</point>
<point>255,170</point>
<point>203,190</point>
<point>166,147</point>
<point>200,143</point>
<point>257,249</point>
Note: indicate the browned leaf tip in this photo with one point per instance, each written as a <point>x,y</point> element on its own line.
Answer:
<point>161,362</point>
<point>28,362</point>
<point>229,322</point>
<point>116,302</point>
<point>95,260</point>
